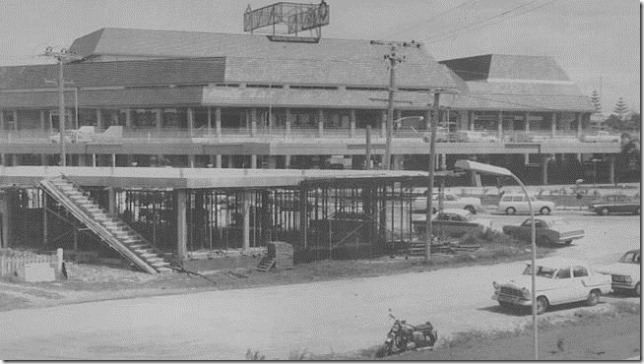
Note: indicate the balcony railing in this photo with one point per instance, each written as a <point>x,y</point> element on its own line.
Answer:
<point>295,134</point>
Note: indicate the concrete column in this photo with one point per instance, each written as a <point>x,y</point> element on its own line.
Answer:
<point>182,223</point>
<point>287,161</point>
<point>470,120</point>
<point>397,161</point>
<point>544,170</point>
<point>253,161</point>
<point>191,160</point>
<point>443,161</point>
<point>99,119</point>
<point>2,119</point>
<point>43,159</point>
<point>428,120</point>
<point>43,126</point>
<point>287,116</point>
<point>3,161</point>
<point>383,124</point>
<point>218,161</point>
<point>579,116</point>
<point>111,202</point>
<point>7,206</point>
<point>526,158</point>
<point>246,221</point>
<point>253,128</point>
<point>287,125</point>
<point>191,120</point>
<point>611,170</point>
<point>527,122</point>
<point>253,116</point>
<point>113,160</point>
<point>272,162</point>
<point>218,122</point>
<point>209,119</point>
<point>500,125</point>
<point>93,160</point>
<point>352,120</point>
<point>158,121</point>
<point>128,118</point>
<point>320,123</point>
<point>553,126</point>
<point>15,119</point>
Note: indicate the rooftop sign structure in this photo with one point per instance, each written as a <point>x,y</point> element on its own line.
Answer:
<point>294,17</point>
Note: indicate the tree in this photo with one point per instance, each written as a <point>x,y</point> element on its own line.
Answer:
<point>621,110</point>
<point>596,100</point>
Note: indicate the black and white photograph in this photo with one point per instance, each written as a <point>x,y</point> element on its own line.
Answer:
<point>321,180</point>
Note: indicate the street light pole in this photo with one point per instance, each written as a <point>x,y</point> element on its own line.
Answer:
<point>430,186</point>
<point>500,171</point>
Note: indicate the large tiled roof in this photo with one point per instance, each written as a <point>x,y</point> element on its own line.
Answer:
<point>123,74</point>
<point>256,58</point>
<point>515,83</point>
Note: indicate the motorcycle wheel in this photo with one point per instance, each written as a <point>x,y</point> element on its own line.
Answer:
<point>383,351</point>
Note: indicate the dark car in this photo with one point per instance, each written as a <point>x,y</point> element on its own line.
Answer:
<point>615,204</point>
<point>549,230</point>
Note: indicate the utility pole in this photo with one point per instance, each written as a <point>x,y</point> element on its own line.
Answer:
<point>430,188</point>
<point>62,56</point>
<point>393,58</point>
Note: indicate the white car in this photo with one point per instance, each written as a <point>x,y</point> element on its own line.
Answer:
<point>625,274</point>
<point>511,204</point>
<point>602,137</point>
<point>558,281</point>
<point>450,201</point>
<point>452,222</point>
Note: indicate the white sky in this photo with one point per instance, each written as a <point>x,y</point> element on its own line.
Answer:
<point>591,39</point>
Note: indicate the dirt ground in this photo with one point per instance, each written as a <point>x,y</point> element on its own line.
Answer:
<point>606,337</point>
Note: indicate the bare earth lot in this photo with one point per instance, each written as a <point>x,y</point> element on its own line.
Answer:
<point>339,316</point>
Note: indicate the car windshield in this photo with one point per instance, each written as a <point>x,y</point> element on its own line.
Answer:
<point>542,271</point>
<point>631,258</point>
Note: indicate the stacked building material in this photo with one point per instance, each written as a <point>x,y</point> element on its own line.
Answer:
<point>282,253</point>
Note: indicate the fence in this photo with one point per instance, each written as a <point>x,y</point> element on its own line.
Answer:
<point>12,261</point>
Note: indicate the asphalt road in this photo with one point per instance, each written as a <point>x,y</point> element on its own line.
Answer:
<point>321,318</point>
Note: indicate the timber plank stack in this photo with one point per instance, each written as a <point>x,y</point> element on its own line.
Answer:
<point>282,253</point>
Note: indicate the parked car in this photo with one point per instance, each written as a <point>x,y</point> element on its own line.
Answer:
<point>450,201</point>
<point>610,204</point>
<point>625,274</point>
<point>558,281</point>
<point>452,222</point>
<point>602,137</point>
<point>549,230</point>
<point>518,203</point>
<point>84,134</point>
<point>475,136</point>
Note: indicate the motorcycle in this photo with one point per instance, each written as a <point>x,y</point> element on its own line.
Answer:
<point>403,336</point>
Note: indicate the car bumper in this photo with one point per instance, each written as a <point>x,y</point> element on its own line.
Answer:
<point>623,285</point>
<point>514,300</point>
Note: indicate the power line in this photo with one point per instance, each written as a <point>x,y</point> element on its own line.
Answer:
<point>506,15</point>
<point>435,17</point>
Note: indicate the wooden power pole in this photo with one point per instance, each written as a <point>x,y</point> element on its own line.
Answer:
<point>430,187</point>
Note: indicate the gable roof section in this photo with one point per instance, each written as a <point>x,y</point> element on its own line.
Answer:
<point>123,73</point>
<point>254,58</point>
<point>515,83</point>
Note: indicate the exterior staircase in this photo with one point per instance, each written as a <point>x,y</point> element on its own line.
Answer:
<point>114,232</point>
<point>266,264</point>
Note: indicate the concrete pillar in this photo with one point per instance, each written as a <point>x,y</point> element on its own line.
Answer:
<point>217,163</point>
<point>352,120</point>
<point>191,120</point>
<point>579,116</point>
<point>128,118</point>
<point>182,223</point>
<point>500,125</point>
<point>3,160</point>
<point>158,121</point>
<point>527,122</point>
<point>15,119</point>
<point>191,160</point>
<point>443,162</point>
<point>544,170</point>
<point>287,161</point>
<point>287,125</point>
<point>43,125</point>
<point>253,161</point>
<point>99,119</point>
<point>2,119</point>
<point>111,202</point>
<point>246,221</point>
<point>611,170</point>
<point>218,122</point>
<point>320,123</point>
<point>43,159</point>
<point>383,124</point>
<point>272,162</point>
<point>253,128</point>
<point>397,161</point>
<point>113,160</point>
<point>526,158</point>
<point>93,160</point>
<point>209,120</point>
<point>470,120</point>
<point>428,120</point>
<point>553,126</point>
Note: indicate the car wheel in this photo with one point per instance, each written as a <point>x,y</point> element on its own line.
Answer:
<point>545,211</point>
<point>593,298</point>
<point>638,290</point>
<point>470,209</point>
<point>542,305</point>
<point>604,211</point>
<point>568,242</point>
<point>510,211</point>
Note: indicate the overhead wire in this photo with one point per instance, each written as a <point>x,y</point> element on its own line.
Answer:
<point>434,18</point>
